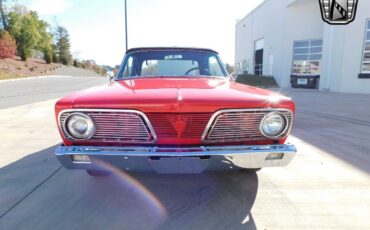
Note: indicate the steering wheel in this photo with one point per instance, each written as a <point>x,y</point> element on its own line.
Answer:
<point>190,70</point>
<point>195,68</point>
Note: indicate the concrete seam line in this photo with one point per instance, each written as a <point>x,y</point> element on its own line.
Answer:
<point>338,118</point>
<point>28,194</point>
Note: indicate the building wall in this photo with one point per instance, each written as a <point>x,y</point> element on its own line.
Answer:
<point>276,22</point>
<point>343,52</point>
<point>303,22</point>
<point>281,22</point>
<point>264,22</point>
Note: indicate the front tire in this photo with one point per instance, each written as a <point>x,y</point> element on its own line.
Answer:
<point>98,173</point>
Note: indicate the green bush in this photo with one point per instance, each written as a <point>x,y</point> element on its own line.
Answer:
<point>48,56</point>
<point>24,53</point>
<point>258,81</point>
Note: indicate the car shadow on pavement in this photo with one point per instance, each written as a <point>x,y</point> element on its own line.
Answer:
<point>221,200</point>
<point>19,179</point>
<point>37,193</point>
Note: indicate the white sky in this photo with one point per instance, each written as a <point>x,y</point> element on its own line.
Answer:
<point>97,27</point>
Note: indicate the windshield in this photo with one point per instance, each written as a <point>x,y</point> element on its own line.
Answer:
<point>171,63</point>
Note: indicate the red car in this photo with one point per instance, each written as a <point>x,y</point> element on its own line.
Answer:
<point>174,110</point>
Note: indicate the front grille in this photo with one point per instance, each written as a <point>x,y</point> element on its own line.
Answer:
<point>179,125</point>
<point>240,125</point>
<point>134,127</point>
<point>115,126</point>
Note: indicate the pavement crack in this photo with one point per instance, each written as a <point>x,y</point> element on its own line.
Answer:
<point>32,191</point>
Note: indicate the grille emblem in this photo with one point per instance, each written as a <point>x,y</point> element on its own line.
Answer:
<point>338,12</point>
<point>179,123</point>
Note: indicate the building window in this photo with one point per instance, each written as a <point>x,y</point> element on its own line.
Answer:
<point>365,67</point>
<point>307,57</point>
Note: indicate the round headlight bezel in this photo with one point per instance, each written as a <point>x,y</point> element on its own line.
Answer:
<point>74,134</point>
<point>282,132</point>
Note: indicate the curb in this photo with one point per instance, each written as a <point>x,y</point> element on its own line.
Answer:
<point>30,78</point>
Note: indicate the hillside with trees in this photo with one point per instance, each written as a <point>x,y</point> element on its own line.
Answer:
<point>33,43</point>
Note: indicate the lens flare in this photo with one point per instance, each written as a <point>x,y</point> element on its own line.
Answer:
<point>151,201</point>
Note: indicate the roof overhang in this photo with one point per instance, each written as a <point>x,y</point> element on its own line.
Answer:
<point>301,2</point>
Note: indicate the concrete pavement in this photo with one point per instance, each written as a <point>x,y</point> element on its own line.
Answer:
<point>325,187</point>
<point>25,91</point>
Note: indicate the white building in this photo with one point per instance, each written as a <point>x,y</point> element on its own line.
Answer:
<point>288,37</point>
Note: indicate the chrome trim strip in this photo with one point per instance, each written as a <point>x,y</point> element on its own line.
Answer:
<point>212,121</point>
<point>139,113</point>
<point>174,152</point>
<point>216,157</point>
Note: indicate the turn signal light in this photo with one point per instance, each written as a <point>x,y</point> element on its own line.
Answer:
<point>275,156</point>
<point>81,159</point>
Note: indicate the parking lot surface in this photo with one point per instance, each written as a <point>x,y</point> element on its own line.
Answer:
<point>327,185</point>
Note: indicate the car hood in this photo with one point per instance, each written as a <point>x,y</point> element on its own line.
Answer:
<point>182,94</point>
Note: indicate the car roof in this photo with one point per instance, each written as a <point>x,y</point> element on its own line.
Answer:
<point>143,49</point>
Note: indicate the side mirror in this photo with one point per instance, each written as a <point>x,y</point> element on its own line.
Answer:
<point>233,76</point>
<point>110,74</point>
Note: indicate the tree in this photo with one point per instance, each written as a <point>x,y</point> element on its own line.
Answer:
<point>230,68</point>
<point>45,43</point>
<point>3,16</point>
<point>7,45</point>
<point>62,45</point>
<point>25,28</point>
<point>88,64</point>
<point>30,34</point>
<point>75,63</point>
<point>48,55</point>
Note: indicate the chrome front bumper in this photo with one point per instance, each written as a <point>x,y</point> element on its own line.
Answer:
<point>176,160</point>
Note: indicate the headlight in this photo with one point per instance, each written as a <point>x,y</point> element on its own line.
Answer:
<point>273,125</point>
<point>79,126</point>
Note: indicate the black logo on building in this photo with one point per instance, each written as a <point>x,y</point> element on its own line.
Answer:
<point>338,12</point>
